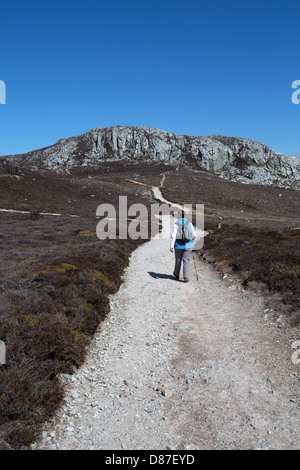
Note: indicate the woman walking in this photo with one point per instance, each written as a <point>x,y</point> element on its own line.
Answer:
<point>182,241</point>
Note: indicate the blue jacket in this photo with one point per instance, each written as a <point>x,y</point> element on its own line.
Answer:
<point>176,243</point>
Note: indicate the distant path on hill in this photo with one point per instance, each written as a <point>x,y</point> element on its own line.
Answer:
<point>181,366</point>
<point>40,213</point>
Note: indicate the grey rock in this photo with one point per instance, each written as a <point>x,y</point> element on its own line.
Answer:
<point>186,396</point>
<point>232,158</point>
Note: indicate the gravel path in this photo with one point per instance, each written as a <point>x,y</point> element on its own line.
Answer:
<point>181,366</point>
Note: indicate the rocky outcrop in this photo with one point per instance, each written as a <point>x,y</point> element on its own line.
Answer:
<point>234,158</point>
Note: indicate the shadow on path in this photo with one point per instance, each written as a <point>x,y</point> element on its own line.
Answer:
<point>162,276</point>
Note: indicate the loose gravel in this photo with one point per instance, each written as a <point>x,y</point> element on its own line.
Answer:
<point>198,365</point>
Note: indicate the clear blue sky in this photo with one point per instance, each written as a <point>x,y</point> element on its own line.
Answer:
<point>186,66</point>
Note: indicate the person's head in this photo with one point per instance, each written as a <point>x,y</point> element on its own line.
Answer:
<point>180,214</point>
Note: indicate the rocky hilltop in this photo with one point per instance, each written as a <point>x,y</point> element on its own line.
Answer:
<point>233,158</point>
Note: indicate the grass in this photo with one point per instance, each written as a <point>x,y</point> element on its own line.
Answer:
<point>50,310</point>
<point>259,256</point>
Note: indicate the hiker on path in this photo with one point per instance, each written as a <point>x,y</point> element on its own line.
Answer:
<point>182,241</point>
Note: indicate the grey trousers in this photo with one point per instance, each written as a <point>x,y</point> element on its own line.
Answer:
<point>182,257</point>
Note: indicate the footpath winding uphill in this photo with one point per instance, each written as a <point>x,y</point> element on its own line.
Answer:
<point>181,366</point>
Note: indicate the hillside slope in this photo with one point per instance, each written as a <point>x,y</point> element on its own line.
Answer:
<point>233,158</point>
<point>181,367</point>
